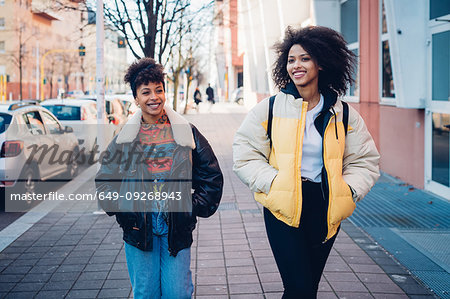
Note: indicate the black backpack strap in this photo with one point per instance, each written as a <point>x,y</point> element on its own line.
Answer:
<point>345,116</point>
<point>269,119</point>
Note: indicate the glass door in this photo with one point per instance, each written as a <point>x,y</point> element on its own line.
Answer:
<point>437,117</point>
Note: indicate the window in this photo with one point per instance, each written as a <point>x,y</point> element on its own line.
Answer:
<point>34,123</point>
<point>440,90</point>
<point>439,8</point>
<point>65,112</point>
<point>5,120</point>
<point>387,79</point>
<point>2,2</point>
<point>35,30</point>
<point>51,124</point>
<point>349,30</point>
<point>2,47</point>
<point>349,20</point>
<point>2,23</point>
<point>440,148</point>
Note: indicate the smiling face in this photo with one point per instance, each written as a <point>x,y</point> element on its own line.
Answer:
<point>151,98</point>
<point>302,69</point>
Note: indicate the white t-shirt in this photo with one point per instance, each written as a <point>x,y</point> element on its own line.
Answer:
<point>312,162</point>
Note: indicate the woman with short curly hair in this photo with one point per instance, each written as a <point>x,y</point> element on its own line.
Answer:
<point>306,154</point>
<point>162,175</point>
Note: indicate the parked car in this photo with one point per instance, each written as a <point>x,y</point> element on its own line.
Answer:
<point>75,93</point>
<point>238,96</point>
<point>128,102</point>
<point>115,112</point>
<point>81,115</point>
<point>26,131</point>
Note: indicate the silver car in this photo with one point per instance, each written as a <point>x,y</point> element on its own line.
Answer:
<point>34,146</point>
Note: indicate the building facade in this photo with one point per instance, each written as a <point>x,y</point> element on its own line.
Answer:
<point>402,80</point>
<point>227,56</point>
<point>39,50</point>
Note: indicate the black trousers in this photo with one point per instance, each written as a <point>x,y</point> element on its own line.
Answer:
<point>299,252</point>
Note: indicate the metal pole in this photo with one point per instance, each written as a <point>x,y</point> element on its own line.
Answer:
<point>100,90</point>
<point>100,75</point>
<point>37,70</point>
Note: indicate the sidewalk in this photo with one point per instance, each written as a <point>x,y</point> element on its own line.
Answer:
<point>76,254</point>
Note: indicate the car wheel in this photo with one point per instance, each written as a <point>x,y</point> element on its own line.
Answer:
<point>29,180</point>
<point>72,167</point>
<point>27,185</point>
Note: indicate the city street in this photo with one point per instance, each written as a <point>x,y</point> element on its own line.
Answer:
<point>72,73</point>
<point>69,251</point>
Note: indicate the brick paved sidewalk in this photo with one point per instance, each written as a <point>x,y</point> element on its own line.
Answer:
<point>78,254</point>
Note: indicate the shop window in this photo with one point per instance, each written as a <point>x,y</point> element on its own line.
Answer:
<point>349,30</point>
<point>354,87</point>
<point>387,80</point>
<point>439,8</point>
<point>349,20</point>
<point>440,66</point>
<point>440,148</point>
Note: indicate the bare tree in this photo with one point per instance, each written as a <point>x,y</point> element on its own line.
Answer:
<point>149,23</point>
<point>194,73</point>
<point>69,61</point>
<point>20,56</point>
<point>176,66</point>
<point>190,37</point>
<point>51,71</point>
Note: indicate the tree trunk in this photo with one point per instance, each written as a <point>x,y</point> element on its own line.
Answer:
<point>187,95</point>
<point>50,82</point>
<point>175,91</point>
<point>82,74</point>
<point>20,79</point>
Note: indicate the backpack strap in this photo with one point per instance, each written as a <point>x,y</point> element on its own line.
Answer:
<point>269,119</point>
<point>345,116</point>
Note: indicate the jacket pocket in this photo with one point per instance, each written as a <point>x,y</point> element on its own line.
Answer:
<point>342,204</point>
<point>126,220</point>
<point>280,197</point>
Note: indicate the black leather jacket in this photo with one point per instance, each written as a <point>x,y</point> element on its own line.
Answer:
<point>207,183</point>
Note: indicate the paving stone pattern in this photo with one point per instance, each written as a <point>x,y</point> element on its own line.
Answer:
<point>81,255</point>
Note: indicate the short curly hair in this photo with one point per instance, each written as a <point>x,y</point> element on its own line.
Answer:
<point>144,71</point>
<point>327,47</point>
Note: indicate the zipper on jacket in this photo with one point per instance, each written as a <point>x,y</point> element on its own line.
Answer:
<point>335,124</point>
<point>170,214</point>
<point>297,178</point>
<point>325,176</point>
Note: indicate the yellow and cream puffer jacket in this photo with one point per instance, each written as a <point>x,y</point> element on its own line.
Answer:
<point>274,174</point>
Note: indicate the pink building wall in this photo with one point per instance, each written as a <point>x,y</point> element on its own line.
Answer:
<point>369,63</point>
<point>398,133</point>
<point>402,142</point>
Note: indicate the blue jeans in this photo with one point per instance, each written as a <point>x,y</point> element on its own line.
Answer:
<point>156,274</point>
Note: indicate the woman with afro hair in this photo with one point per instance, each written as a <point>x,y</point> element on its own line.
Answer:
<point>306,154</point>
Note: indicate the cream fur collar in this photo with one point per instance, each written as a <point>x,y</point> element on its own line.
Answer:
<point>181,129</point>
